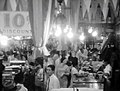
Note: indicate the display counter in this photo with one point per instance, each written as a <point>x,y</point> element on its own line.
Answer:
<point>77,89</point>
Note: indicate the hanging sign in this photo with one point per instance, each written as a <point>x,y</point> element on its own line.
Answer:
<point>84,9</point>
<point>87,3</point>
<point>93,9</point>
<point>66,2</point>
<point>101,3</point>
<point>105,9</point>
<point>13,4</point>
<point>56,4</point>
<point>15,23</point>
<point>115,3</point>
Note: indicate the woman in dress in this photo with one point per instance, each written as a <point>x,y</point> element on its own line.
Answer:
<point>62,73</point>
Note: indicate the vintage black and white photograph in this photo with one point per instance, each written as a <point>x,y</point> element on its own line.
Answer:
<point>59,45</point>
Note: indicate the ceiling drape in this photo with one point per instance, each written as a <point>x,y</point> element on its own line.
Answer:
<point>35,8</point>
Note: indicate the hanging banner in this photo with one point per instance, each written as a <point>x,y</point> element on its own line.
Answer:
<point>2,4</point>
<point>105,9</point>
<point>105,1</point>
<point>93,9</point>
<point>7,5</point>
<point>23,5</point>
<point>89,16</point>
<point>115,3</point>
<point>66,2</point>
<point>101,3</point>
<point>15,23</point>
<point>117,11</point>
<point>19,6</point>
<point>83,8</point>
<point>87,3</point>
<point>56,4</point>
<point>13,5</point>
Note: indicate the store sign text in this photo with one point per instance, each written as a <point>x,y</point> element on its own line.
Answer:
<point>14,22</point>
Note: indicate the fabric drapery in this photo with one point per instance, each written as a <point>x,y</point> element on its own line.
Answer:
<point>35,9</point>
<point>47,28</point>
<point>36,19</point>
<point>40,29</point>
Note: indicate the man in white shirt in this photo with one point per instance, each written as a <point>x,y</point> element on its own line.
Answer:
<point>52,82</point>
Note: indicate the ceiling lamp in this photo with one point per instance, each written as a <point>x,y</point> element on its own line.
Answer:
<point>61,20</point>
<point>70,35</point>
<point>90,30</point>
<point>82,37</point>
<point>94,34</point>
<point>101,37</point>
<point>58,31</point>
<point>3,40</point>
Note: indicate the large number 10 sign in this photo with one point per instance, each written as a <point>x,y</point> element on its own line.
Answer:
<point>17,21</point>
<point>14,23</point>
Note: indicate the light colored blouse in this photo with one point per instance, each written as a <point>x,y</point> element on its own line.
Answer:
<point>62,69</point>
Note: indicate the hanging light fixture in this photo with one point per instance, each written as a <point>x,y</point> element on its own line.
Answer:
<point>95,33</point>
<point>82,37</point>
<point>90,30</point>
<point>61,20</point>
<point>4,40</point>
<point>58,31</point>
<point>70,35</point>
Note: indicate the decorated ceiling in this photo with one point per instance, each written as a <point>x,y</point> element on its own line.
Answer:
<point>43,12</point>
<point>93,10</point>
<point>86,10</point>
